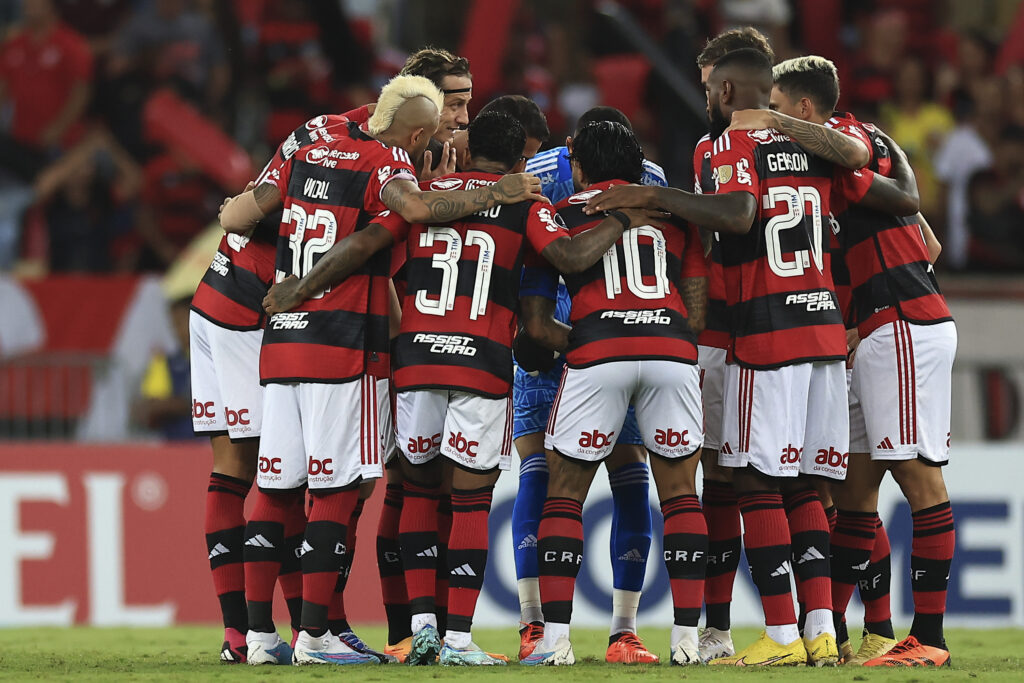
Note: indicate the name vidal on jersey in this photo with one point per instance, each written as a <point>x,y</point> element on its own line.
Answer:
<point>787,162</point>
<point>446,343</point>
<point>316,189</point>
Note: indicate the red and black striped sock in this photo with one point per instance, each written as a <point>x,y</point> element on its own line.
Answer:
<point>225,532</point>
<point>444,532</point>
<point>324,543</point>
<point>808,528</point>
<point>766,539</point>
<point>559,553</point>
<point>852,541</point>
<point>832,514</point>
<point>419,546</point>
<point>931,555</point>
<point>337,619</point>
<point>291,566</point>
<point>467,554</point>
<point>722,515</point>
<point>389,565</point>
<point>874,586</point>
<point>263,551</point>
<point>686,552</point>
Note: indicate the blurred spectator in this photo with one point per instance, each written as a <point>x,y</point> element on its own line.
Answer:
<point>884,39</point>
<point>97,20</point>
<point>918,125</point>
<point>997,207</point>
<point>166,401</point>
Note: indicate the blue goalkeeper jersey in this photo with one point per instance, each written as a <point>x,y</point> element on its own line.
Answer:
<point>552,167</point>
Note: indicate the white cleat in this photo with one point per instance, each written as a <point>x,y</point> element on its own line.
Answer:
<point>327,649</point>
<point>715,644</point>
<point>560,655</point>
<point>267,648</point>
<point>685,655</point>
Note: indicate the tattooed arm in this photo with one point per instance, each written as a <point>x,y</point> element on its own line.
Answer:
<point>827,143</point>
<point>416,206</point>
<point>239,214</point>
<point>694,293</point>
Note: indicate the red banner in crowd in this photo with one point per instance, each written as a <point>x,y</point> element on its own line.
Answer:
<point>113,535</point>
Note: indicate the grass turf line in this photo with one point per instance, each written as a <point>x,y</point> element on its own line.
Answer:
<point>190,653</point>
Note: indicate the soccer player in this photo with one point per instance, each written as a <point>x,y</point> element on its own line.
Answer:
<point>631,344</point>
<point>627,467</point>
<point>452,368</point>
<point>327,190</point>
<point>905,331</point>
<point>721,508</point>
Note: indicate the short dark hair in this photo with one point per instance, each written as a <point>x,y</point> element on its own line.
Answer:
<point>812,77</point>
<point>435,63</point>
<point>602,113</point>
<point>607,150</point>
<point>497,137</point>
<point>747,59</point>
<point>524,110</point>
<point>735,39</point>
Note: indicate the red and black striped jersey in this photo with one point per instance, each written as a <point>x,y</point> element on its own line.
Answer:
<point>462,290</point>
<point>231,292</point>
<point>778,277</point>
<point>627,306</point>
<point>716,329</point>
<point>891,277</point>
<point>330,190</point>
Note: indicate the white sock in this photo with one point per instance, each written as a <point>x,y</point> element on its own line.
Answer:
<point>422,620</point>
<point>268,639</point>
<point>819,621</point>
<point>783,635</point>
<point>457,639</point>
<point>684,634</point>
<point>529,600</point>
<point>552,632</point>
<point>624,607</point>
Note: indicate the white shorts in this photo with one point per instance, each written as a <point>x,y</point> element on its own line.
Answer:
<point>226,394</point>
<point>858,432</point>
<point>902,377</point>
<point>787,421</point>
<point>386,421</point>
<point>591,405</point>
<point>323,435</point>
<point>711,361</point>
<point>472,431</point>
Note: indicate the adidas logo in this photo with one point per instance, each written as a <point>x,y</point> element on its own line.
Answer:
<point>783,569</point>
<point>429,552</point>
<point>463,570</point>
<point>528,542</point>
<point>304,548</point>
<point>258,541</point>
<point>810,555</point>
<point>632,556</point>
<point>726,448</point>
<point>885,445</point>
<point>218,549</point>
<point>862,566</point>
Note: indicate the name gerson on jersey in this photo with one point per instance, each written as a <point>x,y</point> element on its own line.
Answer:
<point>778,277</point>
<point>331,189</point>
<point>627,306</point>
<point>458,313</point>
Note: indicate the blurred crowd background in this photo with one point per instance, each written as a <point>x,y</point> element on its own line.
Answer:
<point>124,123</point>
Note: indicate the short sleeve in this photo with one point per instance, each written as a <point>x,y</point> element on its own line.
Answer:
<point>393,222</point>
<point>733,166</point>
<point>360,115</point>
<point>544,226</point>
<point>694,263</point>
<point>857,133</point>
<point>394,164</point>
<point>852,185</point>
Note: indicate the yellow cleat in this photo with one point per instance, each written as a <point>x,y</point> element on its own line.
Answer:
<point>766,652</point>
<point>872,646</point>
<point>845,652</point>
<point>822,651</point>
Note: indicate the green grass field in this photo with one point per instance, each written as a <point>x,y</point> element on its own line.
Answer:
<point>190,653</point>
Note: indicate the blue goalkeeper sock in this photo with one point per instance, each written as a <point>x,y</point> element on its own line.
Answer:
<point>533,491</point>
<point>630,541</point>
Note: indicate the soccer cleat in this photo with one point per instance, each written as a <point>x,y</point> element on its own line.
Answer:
<point>357,644</point>
<point>682,655</point>
<point>266,648</point>
<point>529,636</point>
<point>910,652</point>
<point>470,655</point>
<point>400,650</point>
<point>627,648</point>
<point>766,652</point>
<point>233,650</point>
<point>561,655</point>
<point>872,646</point>
<point>715,644</point>
<point>327,649</point>
<point>425,646</point>
<point>822,651</point>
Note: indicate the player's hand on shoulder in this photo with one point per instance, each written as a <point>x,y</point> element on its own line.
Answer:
<point>752,119</point>
<point>622,197</point>
<point>520,187</point>
<point>446,167</point>
<point>283,296</point>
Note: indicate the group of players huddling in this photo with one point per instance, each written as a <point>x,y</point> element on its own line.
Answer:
<point>780,326</point>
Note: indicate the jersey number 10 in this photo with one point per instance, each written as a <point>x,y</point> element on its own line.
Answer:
<point>630,246</point>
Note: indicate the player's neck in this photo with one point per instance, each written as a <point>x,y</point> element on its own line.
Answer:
<point>485,166</point>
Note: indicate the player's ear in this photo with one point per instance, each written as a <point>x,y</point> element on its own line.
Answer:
<point>806,108</point>
<point>568,143</point>
<point>519,166</point>
<point>727,93</point>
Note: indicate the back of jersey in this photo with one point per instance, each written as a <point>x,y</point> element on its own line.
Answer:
<point>330,190</point>
<point>627,306</point>
<point>779,288</point>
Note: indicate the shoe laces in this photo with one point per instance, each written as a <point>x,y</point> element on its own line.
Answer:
<point>352,640</point>
<point>630,638</point>
<point>904,646</point>
<point>531,630</point>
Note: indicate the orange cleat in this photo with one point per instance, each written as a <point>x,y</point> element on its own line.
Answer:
<point>399,650</point>
<point>529,636</point>
<point>910,652</point>
<point>627,648</point>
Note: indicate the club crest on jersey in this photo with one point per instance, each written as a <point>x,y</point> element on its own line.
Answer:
<point>765,136</point>
<point>318,122</point>
<point>442,184</point>
<point>583,197</point>
<point>724,173</point>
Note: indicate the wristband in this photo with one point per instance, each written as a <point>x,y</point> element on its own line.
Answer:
<point>620,217</point>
